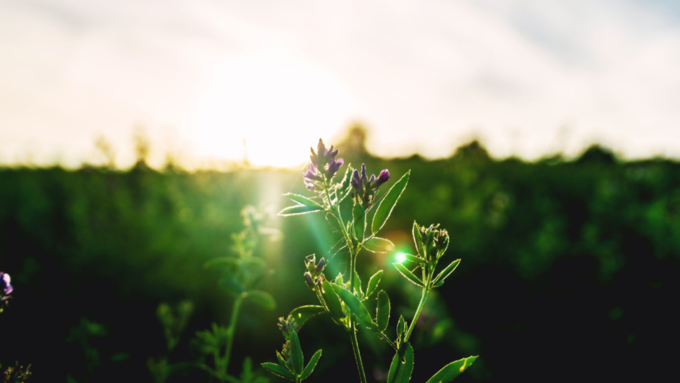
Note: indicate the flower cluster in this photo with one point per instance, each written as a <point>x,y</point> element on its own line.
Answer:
<point>287,326</point>
<point>366,188</point>
<point>323,165</point>
<point>314,274</point>
<point>435,241</point>
<point>5,289</point>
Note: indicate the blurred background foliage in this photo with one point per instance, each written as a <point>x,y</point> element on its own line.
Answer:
<point>569,267</point>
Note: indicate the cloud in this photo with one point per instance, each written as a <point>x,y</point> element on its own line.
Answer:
<point>425,75</point>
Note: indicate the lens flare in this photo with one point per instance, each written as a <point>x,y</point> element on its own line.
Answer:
<point>400,257</point>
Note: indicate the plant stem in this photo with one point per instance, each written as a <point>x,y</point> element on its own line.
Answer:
<point>357,353</point>
<point>352,264</point>
<point>232,330</point>
<point>415,318</point>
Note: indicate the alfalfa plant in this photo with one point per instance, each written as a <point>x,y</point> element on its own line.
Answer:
<point>343,297</point>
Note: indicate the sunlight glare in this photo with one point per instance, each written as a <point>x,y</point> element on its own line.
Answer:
<point>400,257</point>
<point>280,105</point>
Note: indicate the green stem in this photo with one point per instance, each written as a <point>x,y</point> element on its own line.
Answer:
<point>357,353</point>
<point>415,318</point>
<point>232,330</point>
<point>352,259</point>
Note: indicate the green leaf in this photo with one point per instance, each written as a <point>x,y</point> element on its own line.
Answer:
<point>229,261</point>
<point>303,313</point>
<point>382,311</point>
<point>298,210</point>
<point>357,286</point>
<point>359,215</point>
<point>231,285</point>
<point>445,273</point>
<point>408,274</point>
<point>378,245</point>
<point>402,365</point>
<point>278,371</point>
<point>373,283</point>
<point>414,259</point>
<point>262,299</point>
<point>356,307</point>
<point>388,203</point>
<point>452,370</point>
<point>347,178</point>
<point>310,367</point>
<point>332,300</point>
<point>303,200</point>
<point>296,357</point>
<point>401,326</point>
<point>418,240</point>
<point>345,195</point>
<point>282,361</point>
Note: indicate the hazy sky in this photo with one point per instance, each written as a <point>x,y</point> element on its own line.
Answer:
<point>527,77</point>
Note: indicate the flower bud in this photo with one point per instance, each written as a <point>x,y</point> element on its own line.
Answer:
<point>309,281</point>
<point>435,241</point>
<point>287,326</point>
<point>321,265</point>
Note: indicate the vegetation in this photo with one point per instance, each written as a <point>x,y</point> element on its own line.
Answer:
<point>569,266</point>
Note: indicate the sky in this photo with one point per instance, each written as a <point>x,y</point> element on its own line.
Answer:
<point>210,81</point>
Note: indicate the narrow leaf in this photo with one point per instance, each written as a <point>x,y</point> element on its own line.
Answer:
<point>356,307</point>
<point>310,367</point>
<point>282,362</point>
<point>262,299</point>
<point>296,357</point>
<point>402,365</point>
<point>303,200</point>
<point>452,370</point>
<point>357,285</point>
<point>298,210</point>
<point>373,283</point>
<point>347,178</point>
<point>408,274</point>
<point>382,311</point>
<point>303,313</point>
<point>388,203</point>
<point>418,240</point>
<point>401,326</point>
<point>378,245</point>
<point>278,371</point>
<point>445,273</point>
<point>359,215</point>
<point>332,300</point>
<point>414,259</point>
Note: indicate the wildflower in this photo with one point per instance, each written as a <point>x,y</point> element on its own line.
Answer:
<point>435,241</point>
<point>5,287</point>
<point>309,281</point>
<point>323,164</point>
<point>287,326</point>
<point>365,189</point>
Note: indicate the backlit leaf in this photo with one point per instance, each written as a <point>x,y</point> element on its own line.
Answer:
<point>388,203</point>
<point>451,370</point>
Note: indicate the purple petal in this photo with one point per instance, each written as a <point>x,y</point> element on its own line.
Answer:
<point>383,177</point>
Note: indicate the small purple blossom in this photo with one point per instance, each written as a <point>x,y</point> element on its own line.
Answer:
<point>309,281</point>
<point>382,178</point>
<point>287,326</point>
<point>366,188</point>
<point>5,288</point>
<point>323,163</point>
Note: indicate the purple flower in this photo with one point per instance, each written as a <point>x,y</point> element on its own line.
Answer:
<point>324,160</point>
<point>366,188</point>
<point>382,178</point>
<point>309,281</point>
<point>5,288</point>
<point>333,166</point>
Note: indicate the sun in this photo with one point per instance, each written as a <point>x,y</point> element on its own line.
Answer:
<point>279,105</point>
